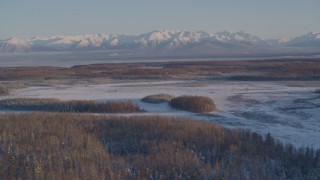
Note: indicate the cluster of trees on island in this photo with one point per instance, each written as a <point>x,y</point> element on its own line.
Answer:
<point>197,104</point>
<point>82,146</point>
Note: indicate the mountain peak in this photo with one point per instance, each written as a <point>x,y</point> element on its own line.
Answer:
<point>314,34</point>
<point>311,39</point>
<point>14,45</point>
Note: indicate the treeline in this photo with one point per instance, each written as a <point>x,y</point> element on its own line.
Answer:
<point>74,146</point>
<point>56,105</point>
<point>198,104</point>
<point>279,69</point>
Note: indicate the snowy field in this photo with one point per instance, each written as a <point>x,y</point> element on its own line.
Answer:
<point>289,113</point>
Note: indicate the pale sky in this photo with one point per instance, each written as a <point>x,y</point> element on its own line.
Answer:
<point>264,18</point>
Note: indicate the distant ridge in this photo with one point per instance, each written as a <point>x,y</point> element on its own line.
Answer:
<point>160,41</point>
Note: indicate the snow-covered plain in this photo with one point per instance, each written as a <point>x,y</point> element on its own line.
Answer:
<point>289,113</point>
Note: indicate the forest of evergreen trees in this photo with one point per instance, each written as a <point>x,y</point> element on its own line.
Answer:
<point>82,146</point>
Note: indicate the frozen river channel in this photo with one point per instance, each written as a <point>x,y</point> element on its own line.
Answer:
<point>289,113</point>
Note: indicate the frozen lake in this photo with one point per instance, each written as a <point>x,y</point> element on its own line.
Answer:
<point>289,113</point>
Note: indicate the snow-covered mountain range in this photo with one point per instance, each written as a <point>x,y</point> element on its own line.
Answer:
<point>160,40</point>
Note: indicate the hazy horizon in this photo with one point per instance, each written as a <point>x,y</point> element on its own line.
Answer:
<point>141,33</point>
<point>268,20</point>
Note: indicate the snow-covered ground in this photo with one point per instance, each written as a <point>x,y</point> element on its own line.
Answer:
<point>289,113</point>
